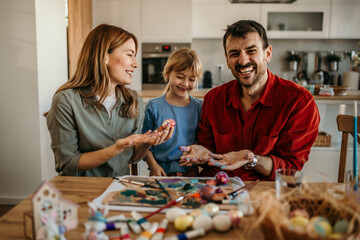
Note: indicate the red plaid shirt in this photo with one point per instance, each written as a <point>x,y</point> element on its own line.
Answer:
<point>282,124</point>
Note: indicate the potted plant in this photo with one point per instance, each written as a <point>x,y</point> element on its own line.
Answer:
<point>333,61</point>
<point>293,59</point>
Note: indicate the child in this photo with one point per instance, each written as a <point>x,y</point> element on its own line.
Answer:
<point>182,72</point>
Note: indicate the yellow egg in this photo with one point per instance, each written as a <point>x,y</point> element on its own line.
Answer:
<point>183,222</point>
<point>299,221</point>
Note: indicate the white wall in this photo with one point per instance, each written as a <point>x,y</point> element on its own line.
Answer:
<point>33,64</point>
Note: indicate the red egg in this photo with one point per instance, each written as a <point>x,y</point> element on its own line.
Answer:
<point>207,192</point>
<point>221,178</point>
<point>298,212</point>
<point>235,216</point>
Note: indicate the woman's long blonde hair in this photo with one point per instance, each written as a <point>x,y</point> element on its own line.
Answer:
<point>181,60</point>
<point>91,68</point>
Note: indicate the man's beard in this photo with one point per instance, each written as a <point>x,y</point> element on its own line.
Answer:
<point>256,78</point>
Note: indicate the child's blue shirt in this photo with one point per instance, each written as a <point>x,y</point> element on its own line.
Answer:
<point>187,118</point>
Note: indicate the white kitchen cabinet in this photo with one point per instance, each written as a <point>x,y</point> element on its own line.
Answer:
<point>210,18</point>
<point>301,19</point>
<point>166,20</point>
<point>345,19</point>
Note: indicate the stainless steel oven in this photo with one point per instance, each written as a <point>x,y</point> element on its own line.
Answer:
<point>154,57</point>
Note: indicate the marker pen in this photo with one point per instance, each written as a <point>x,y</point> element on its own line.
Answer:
<point>188,235</point>
<point>146,235</point>
<point>140,220</point>
<point>159,234</point>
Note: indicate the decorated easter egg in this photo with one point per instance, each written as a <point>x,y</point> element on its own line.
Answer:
<point>207,192</point>
<point>341,226</point>
<point>211,209</point>
<point>299,222</point>
<point>221,178</point>
<point>235,216</point>
<point>319,226</point>
<point>169,121</point>
<point>299,212</point>
<point>173,213</point>
<point>222,223</point>
<point>203,221</point>
<point>183,222</point>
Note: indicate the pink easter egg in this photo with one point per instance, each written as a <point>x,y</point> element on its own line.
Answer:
<point>170,121</point>
<point>221,178</point>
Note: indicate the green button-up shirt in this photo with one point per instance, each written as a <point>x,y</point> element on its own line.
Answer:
<point>76,126</point>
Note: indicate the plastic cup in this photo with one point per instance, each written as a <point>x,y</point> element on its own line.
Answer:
<point>287,180</point>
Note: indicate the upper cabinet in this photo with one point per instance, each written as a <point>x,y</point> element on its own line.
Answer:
<point>301,19</point>
<point>211,17</point>
<point>166,20</point>
<point>345,19</point>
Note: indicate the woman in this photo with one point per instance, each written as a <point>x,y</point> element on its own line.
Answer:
<point>94,120</point>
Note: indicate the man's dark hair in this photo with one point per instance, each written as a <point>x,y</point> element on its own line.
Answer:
<point>243,27</point>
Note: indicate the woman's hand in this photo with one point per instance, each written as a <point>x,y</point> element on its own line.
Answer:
<point>149,137</point>
<point>157,170</point>
<point>194,154</point>
<point>231,160</point>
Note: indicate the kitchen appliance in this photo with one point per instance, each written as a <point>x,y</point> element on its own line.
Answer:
<point>154,57</point>
<point>319,76</point>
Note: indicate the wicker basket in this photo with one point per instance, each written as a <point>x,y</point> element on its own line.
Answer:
<point>323,139</point>
<point>274,222</point>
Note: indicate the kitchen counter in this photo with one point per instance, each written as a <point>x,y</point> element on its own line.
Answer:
<point>353,95</point>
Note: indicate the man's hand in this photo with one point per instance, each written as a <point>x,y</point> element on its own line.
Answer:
<point>231,160</point>
<point>194,154</point>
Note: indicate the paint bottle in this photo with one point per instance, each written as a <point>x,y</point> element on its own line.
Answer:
<point>159,234</point>
<point>188,235</point>
<point>135,227</point>
<point>124,232</point>
<point>140,220</point>
<point>146,235</point>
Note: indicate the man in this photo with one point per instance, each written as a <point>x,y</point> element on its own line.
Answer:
<point>258,122</point>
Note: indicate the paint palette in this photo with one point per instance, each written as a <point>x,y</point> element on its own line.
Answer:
<point>145,191</point>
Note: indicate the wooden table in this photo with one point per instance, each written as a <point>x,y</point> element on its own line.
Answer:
<point>83,189</point>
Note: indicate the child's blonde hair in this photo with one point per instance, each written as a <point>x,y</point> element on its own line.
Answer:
<point>181,60</point>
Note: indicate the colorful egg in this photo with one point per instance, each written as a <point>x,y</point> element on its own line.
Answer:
<point>204,222</point>
<point>183,222</point>
<point>211,209</point>
<point>222,223</point>
<point>207,192</point>
<point>221,178</point>
<point>173,213</point>
<point>169,121</point>
<point>299,222</point>
<point>299,212</point>
<point>319,226</point>
<point>235,216</point>
<point>341,226</point>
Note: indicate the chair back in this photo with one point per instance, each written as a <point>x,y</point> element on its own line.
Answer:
<point>345,125</point>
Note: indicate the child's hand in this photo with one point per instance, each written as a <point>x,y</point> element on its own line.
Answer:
<point>194,154</point>
<point>165,133</point>
<point>156,170</point>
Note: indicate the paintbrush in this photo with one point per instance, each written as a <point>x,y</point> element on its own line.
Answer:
<point>233,194</point>
<point>135,183</point>
<point>179,199</point>
<point>162,187</point>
